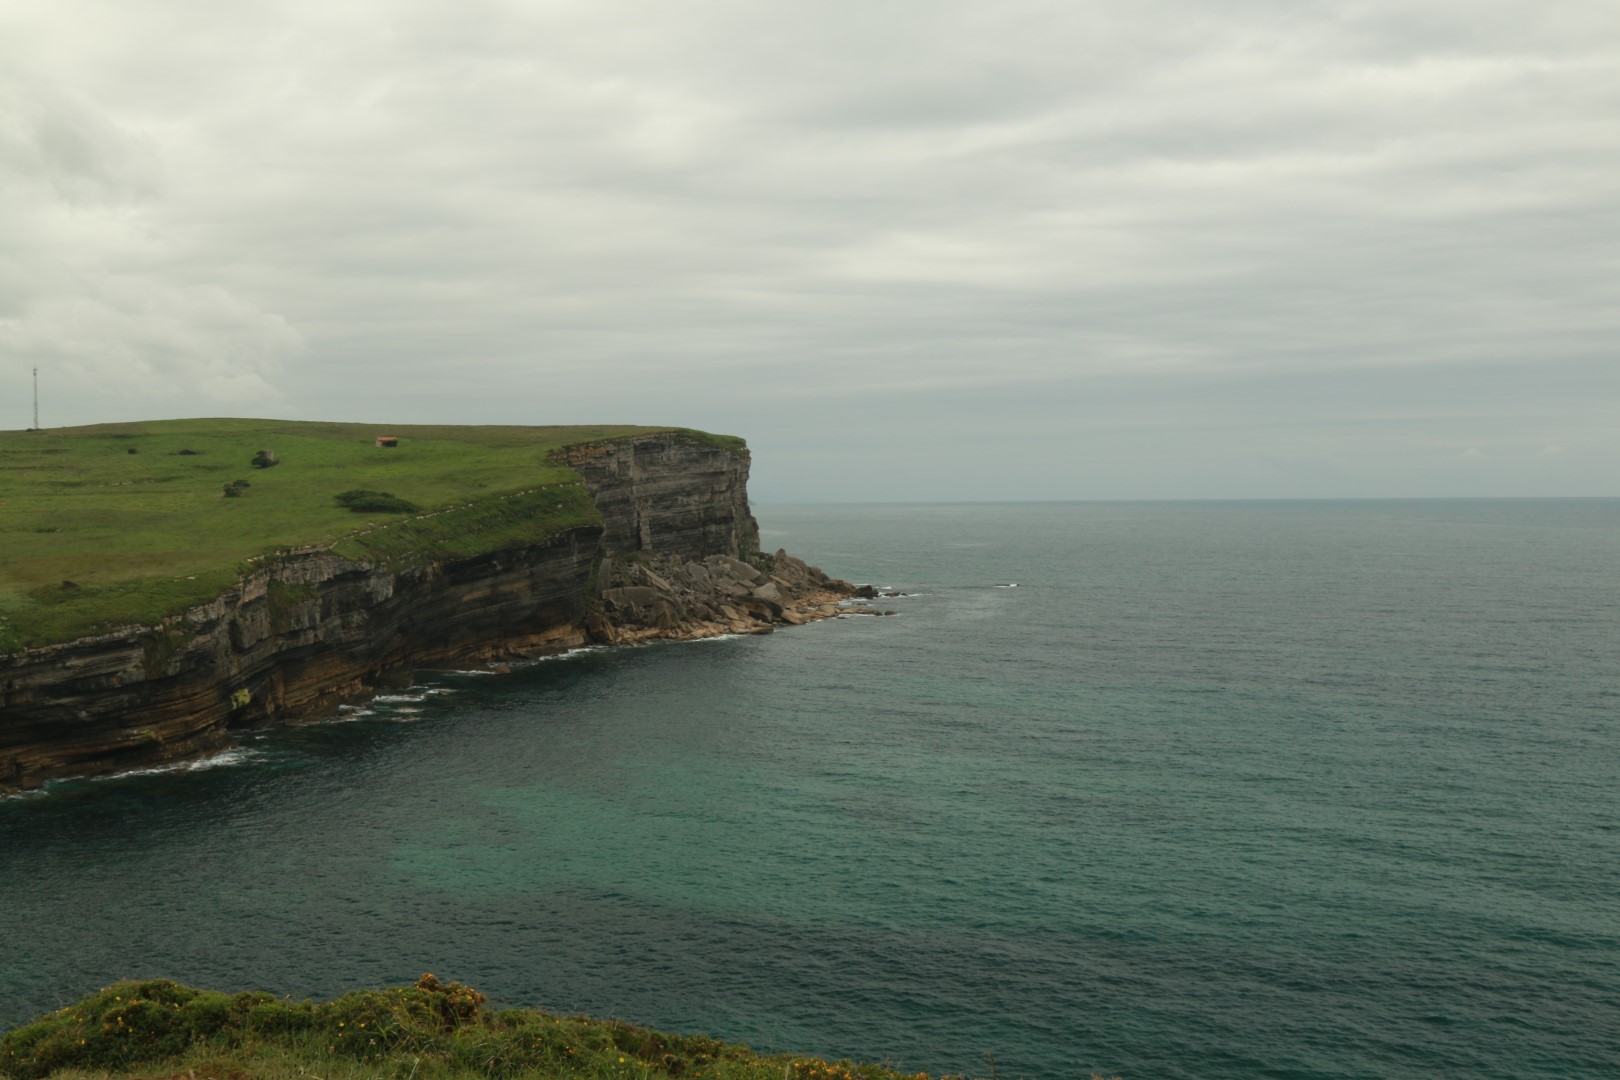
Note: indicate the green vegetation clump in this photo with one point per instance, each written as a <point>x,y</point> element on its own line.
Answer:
<point>729,443</point>
<point>149,536</point>
<point>362,501</point>
<point>429,1031</point>
<point>476,528</point>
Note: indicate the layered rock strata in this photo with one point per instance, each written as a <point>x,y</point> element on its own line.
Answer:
<point>307,631</point>
<point>665,495</point>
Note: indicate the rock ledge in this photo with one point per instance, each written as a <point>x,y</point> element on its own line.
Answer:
<point>650,597</point>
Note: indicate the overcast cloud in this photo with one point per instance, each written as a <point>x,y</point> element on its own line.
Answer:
<point>918,250</point>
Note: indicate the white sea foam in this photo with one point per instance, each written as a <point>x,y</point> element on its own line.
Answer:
<point>234,756</point>
<point>564,655</point>
<point>413,698</point>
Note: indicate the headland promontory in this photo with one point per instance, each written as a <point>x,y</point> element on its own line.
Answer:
<point>164,585</point>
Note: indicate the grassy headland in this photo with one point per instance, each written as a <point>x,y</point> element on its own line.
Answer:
<point>429,1031</point>
<point>130,523</point>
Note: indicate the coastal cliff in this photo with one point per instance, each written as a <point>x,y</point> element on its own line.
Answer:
<point>672,553</point>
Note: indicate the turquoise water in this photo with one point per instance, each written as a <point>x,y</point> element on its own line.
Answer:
<point>1220,790</point>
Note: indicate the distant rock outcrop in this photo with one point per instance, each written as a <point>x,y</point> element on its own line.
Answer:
<point>665,596</point>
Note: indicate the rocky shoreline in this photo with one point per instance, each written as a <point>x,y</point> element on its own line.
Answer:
<point>660,597</point>
<point>305,631</point>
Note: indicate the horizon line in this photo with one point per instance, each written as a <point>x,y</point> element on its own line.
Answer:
<point>1182,499</point>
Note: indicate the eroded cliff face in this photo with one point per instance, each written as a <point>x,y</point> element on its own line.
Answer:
<point>309,630</point>
<point>665,495</point>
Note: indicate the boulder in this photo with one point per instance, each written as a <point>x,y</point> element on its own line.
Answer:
<point>764,610</point>
<point>599,630</point>
<point>655,581</point>
<point>735,569</point>
<point>631,596</point>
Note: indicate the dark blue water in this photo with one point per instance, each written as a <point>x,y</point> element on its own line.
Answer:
<point>1220,790</point>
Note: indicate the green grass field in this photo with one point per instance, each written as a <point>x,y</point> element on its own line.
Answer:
<point>93,536</point>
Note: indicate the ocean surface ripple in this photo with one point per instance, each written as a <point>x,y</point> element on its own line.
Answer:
<point>1302,790</point>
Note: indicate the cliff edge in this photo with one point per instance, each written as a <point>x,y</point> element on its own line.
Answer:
<point>641,536</point>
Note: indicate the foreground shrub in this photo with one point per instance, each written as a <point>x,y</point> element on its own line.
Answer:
<point>131,1023</point>
<point>429,1031</point>
<point>124,1024</point>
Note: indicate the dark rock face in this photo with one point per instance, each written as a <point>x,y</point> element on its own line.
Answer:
<point>660,494</point>
<point>295,639</point>
<point>311,630</point>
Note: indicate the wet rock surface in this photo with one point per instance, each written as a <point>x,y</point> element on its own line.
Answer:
<point>666,596</point>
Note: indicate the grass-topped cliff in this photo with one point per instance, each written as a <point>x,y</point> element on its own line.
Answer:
<point>121,524</point>
<point>429,1031</point>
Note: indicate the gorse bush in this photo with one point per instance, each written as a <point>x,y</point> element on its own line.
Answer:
<point>122,1025</point>
<point>429,1031</point>
<point>131,1023</point>
<point>362,501</point>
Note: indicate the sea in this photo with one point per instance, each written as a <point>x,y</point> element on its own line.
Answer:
<point>1188,789</point>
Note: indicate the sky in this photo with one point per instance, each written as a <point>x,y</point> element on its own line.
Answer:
<point>910,249</point>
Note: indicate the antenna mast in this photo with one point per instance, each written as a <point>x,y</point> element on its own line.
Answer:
<point>36,399</point>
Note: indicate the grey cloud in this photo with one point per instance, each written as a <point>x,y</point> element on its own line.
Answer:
<point>954,217</point>
<point>83,288</point>
<point>53,140</point>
